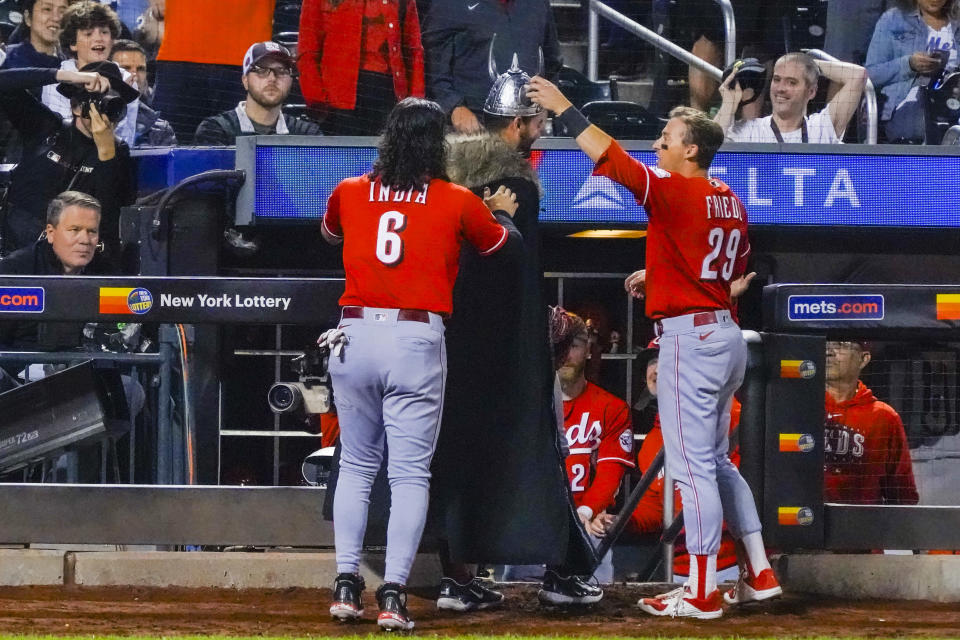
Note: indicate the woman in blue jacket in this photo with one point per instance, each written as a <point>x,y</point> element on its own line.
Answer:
<point>911,44</point>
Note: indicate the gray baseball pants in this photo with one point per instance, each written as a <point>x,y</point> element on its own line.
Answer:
<point>388,389</point>
<point>701,366</point>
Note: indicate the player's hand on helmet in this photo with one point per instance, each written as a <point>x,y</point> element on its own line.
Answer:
<point>739,286</point>
<point>636,284</point>
<point>464,120</point>
<point>332,339</point>
<point>503,200</point>
<point>546,94</point>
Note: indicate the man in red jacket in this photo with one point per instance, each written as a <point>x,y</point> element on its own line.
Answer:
<point>357,59</point>
<point>867,460</point>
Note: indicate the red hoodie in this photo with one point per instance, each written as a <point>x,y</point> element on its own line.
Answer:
<point>867,460</point>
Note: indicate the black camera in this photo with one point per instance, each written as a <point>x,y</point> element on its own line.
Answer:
<point>312,392</point>
<point>749,74</point>
<point>110,105</point>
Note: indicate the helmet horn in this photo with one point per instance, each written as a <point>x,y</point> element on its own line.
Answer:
<point>491,61</point>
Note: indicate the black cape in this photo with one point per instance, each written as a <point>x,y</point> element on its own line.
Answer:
<point>499,486</point>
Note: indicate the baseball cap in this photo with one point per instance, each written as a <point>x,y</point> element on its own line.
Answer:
<point>652,352</point>
<point>112,72</point>
<point>261,50</point>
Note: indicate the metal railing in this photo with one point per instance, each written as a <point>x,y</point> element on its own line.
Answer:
<point>869,97</point>
<point>598,9</point>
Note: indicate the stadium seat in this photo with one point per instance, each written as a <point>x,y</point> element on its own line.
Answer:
<point>581,90</point>
<point>623,120</point>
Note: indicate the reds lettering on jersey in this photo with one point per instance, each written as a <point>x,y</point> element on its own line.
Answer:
<point>401,249</point>
<point>696,240</point>
<point>598,429</point>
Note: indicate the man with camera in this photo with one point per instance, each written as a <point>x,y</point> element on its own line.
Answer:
<point>81,155</point>
<point>268,70</point>
<point>793,86</point>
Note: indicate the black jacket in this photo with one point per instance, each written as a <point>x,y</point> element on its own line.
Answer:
<point>39,260</point>
<point>223,129</point>
<point>499,399</point>
<point>456,43</point>
<point>54,156</point>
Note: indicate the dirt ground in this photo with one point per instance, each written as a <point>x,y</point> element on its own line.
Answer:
<point>129,611</point>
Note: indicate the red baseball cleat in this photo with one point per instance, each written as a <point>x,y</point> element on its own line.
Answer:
<point>763,587</point>
<point>680,603</point>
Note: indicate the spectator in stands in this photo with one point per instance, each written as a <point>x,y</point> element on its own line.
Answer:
<point>268,70</point>
<point>457,38</point>
<point>68,247</point>
<point>914,41</point>
<point>197,63</point>
<point>357,59</point>
<point>58,156</point>
<point>793,86</point>
<point>42,17</point>
<point>88,31</point>
<point>850,25</point>
<point>151,129</point>
<point>866,457</point>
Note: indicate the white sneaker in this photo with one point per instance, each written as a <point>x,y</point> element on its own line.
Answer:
<point>680,603</point>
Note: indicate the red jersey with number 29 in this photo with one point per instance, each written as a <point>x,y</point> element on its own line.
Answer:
<point>696,240</point>
<point>401,249</point>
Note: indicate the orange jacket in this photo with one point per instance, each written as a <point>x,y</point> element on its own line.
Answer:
<point>214,31</point>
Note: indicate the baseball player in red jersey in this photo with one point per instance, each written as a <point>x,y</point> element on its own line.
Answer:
<point>599,436</point>
<point>866,457</point>
<point>696,244</point>
<point>401,226</point>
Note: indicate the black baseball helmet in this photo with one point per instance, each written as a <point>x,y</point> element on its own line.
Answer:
<point>749,74</point>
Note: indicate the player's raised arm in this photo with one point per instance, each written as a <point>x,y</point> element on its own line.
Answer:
<point>590,138</point>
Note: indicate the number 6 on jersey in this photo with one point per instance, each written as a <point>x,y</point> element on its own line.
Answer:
<point>389,242</point>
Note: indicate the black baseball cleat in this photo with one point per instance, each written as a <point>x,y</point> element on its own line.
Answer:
<point>467,597</point>
<point>347,597</point>
<point>572,590</point>
<point>392,598</point>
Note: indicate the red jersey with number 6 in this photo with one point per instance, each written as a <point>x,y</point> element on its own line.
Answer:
<point>401,249</point>
<point>696,240</point>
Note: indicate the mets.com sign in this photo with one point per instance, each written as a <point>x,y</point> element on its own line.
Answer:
<point>826,307</point>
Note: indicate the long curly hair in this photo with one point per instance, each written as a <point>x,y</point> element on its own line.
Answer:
<point>412,146</point>
<point>952,8</point>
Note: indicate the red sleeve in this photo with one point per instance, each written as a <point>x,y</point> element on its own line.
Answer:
<point>310,50</point>
<point>616,164</point>
<point>331,219</point>
<point>480,228</point>
<point>616,444</point>
<point>648,516</point>
<point>601,492</point>
<point>413,51</point>
<point>652,444</point>
<point>898,485</point>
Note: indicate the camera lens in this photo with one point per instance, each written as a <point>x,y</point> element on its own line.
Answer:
<point>284,397</point>
<point>112,107</point>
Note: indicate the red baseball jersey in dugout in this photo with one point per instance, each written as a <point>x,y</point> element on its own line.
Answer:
<point>696,240</point>
<point>598,429</point>
<point>401,249</point>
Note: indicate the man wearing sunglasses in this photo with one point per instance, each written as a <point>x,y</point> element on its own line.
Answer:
<point>268,71</point>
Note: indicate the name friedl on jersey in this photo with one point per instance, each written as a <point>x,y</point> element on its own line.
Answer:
<point>723,207</point>
<point>383,193</point>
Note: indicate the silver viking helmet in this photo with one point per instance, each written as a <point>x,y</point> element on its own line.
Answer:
<point>508,95</point>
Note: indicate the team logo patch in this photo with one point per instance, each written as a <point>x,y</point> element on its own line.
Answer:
<point>796,442</point>
<point>804,369</point>
<point>626,441</point>
<point>795,516</point>
<point>849,307</point>
<point>22,299</point>
<point>948,306</point>
<point>125,300</point>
